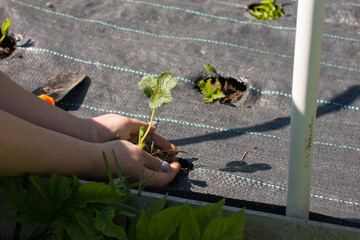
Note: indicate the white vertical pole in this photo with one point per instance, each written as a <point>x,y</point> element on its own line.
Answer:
<point>308,42</point>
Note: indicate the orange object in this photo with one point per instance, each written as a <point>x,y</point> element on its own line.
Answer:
<point>47,98</point>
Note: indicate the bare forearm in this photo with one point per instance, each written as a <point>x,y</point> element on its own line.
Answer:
<point>23,104</point>
<point>25,147</point>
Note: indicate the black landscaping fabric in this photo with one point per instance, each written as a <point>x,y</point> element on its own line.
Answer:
<point>117,42</point>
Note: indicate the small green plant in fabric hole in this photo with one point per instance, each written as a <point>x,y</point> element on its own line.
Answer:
<point>206,88</point>
<point>266,10</point>
<point>4,29</point>
<point>159,90</point>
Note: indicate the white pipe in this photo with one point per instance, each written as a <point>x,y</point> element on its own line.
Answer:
<point>308,42</point>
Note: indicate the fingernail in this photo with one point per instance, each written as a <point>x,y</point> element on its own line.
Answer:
<point>154,123</point>
<point>165,165</point>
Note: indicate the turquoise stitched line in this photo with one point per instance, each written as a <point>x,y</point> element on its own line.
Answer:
<point>273,137</point>
<point>96,63</point>
<point>180,78</point>
<point>351,4</point>
<point>186,38</point>
<point>232,19</point>
<point>241,178</point>
<point>276,187</point>
<point>174,8</point>
<point>209,15</point>
<point>289,96</point>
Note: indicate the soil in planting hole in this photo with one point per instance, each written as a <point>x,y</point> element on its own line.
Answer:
<point>7,46</point>
<point>185,165</point>
<point>231,87</point>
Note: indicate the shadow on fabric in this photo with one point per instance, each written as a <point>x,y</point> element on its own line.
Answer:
<point>346,98</point>
<point>73,100</point>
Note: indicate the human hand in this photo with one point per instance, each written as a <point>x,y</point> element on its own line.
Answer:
<point>133,161</point>
<point>113,126</point>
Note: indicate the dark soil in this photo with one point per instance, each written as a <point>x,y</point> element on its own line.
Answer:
<point>7,46</point>
<point>232,88</point>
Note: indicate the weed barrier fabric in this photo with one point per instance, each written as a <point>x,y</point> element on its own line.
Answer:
<point>117,42</point>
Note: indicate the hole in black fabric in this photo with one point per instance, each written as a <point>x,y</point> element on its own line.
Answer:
<point>7,46</point>
<point>232,88</point>
<point>185,165</point>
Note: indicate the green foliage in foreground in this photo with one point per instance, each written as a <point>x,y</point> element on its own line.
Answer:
<point>266,10</point>
<point>95,210</point>
<point>5,29</point>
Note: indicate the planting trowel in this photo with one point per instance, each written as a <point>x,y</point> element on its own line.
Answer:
<point>58,86</point>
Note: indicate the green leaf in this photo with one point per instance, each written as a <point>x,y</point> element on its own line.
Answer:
<point>210,68</point>
<point>158,89</point>
<point>78,224</point>
<point>266,10</point>
<point>189,226</point>
<point>148,85</point>
<point>164,223</point>
<point>267,2</point>
<point>163,98</point>
<point>217,94</point>
<point>96,192</point>
<point>5,29</point>
<point>205,214</point>
<point>58,191</point>
<point>156,207</point>
<point>166,81</point>
<point>17,199</point>
<point>75,182</point>
<point>210,93</point>
<point>142,227</point>
<point>104,223</point>
<point>141,144</point>
<point>229,228</point>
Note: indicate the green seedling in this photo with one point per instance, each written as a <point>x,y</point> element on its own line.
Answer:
<point>207,89</point>
<point>266,10</point>
<point>5,29</point>
<point>159,91</point>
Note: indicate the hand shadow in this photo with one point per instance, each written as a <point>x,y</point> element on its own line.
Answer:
<point>238,166</point>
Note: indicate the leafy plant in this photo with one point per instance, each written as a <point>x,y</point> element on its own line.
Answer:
<point>206,87</point>
<point>91,210</point>
<point>184,222</point>
<point>5,29</point>
<point>159,91</point>
<point>266,10</point>
<point>71,210</point>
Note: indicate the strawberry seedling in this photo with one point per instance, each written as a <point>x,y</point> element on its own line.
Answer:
<point>4,29</point>
<point>211,93</point>
<point>266,10</point>
<point>159,91</point>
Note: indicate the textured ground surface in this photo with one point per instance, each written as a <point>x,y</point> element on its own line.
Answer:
<point>117,42</point>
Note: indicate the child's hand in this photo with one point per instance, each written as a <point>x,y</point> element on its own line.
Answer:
<point>133,160</point>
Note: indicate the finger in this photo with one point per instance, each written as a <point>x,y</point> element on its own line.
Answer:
<point>154,163</point>
<point>135,125</point>
<point>161,178</point>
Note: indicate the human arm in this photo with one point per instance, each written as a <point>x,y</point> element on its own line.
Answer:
<point>17,101</point>
<point>28,148</point>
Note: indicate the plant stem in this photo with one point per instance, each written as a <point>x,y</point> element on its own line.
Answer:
<point>148,129</point>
